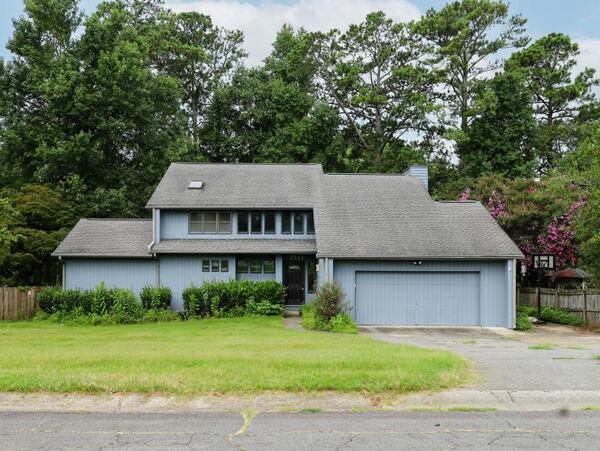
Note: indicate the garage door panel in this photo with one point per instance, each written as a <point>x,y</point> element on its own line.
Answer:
<point>417,298</point>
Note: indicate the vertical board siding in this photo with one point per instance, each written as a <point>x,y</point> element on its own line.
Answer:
<point>86,274</point>
<point>174,226</point>
<point>493,282</point>
<point>179,272</point>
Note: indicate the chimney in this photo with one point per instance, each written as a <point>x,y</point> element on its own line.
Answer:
<point>419,172</point>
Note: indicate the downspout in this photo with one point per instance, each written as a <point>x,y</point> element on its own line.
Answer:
<point>153,230</point>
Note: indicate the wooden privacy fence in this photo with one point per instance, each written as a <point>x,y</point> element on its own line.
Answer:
<point>583,303</point>
<point>18,303</point>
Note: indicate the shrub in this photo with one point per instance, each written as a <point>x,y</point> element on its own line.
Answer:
<point>156,298</point>
<point>102,300</point>
<point>343,323</point>
<point>159,316</point>
<point>56,300</point>
<point>234,298</point>
<point>264,308</point>
<point>522,322</point>
<point>559,316</point>
<point>329,301</point>
<point>126,309</point>
<point>193,302</point>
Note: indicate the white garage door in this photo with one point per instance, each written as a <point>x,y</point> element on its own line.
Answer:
<point>417,298</point>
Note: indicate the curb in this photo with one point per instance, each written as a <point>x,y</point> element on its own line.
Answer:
<point>463,400</point>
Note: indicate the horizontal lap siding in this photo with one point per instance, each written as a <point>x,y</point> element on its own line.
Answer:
<point>179,272</point>
<point>86,274</point>
<point>494,282</point>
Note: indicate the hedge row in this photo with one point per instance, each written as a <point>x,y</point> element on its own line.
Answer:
<point>119,303</point>
<point>234,298</point>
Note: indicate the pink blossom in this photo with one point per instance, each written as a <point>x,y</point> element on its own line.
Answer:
<point>465,195</point>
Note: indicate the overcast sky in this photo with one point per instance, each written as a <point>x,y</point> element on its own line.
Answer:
<point>260,19</point>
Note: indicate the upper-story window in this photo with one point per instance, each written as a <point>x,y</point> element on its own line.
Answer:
<point>256,222</point>
<point>286,222</point>
<point>210,222</point>
<point>310,224</point>
<point>299,223</point>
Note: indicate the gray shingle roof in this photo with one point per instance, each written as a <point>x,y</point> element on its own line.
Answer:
<point>107,238</point>
<point>237,186</point>
<point>235,246</point>
<point>391,216</point>
<point>356,216</point>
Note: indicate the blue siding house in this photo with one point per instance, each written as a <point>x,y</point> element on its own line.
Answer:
<point>401,257</point>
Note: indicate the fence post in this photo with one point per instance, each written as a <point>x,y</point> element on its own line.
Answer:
<point>585,307</point>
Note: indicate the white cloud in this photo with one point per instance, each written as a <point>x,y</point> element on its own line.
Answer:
<point>261,21</point>
<point>589,54</point>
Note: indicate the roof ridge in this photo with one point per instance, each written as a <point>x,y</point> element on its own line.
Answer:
<point>220,163</point>
<point>394,174</point>
<point>116,219</point>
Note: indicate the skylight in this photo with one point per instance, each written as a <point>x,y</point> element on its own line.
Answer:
<point>196,184</point>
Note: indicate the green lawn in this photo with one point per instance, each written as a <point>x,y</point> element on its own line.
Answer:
<point>238,355</point>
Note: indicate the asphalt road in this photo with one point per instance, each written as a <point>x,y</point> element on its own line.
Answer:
<point>290,431</point>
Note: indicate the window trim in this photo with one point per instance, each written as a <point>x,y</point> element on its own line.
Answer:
<point>217,217</point>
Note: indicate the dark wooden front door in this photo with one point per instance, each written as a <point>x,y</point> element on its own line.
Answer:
<point>293,278</point>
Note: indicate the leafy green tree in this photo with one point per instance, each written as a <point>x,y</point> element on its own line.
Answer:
<point>583,164</point>
<point>375,75</point>
<point>271,114</point>
<point>559,93</point>
<point>201,56</point>
<point>467,34</point>
<point>93,107</point>
<point>498,140</point>
<point>38,219</point>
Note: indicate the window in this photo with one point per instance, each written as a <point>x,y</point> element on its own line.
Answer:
<point>312,275</point>
<point>310,224</point>
<point>243,222</point>
<point>286,222</point>
<point>224,265</point>
<point>255,265</point>
<point>269,265</point>
<point>256,222</point>
<point>210,222</point>
<point>269,222</point>
<point>242,265</point>
<point>224,222</point>
<point>214,266</point>
<point>205,265</point>
<point>298,224</point>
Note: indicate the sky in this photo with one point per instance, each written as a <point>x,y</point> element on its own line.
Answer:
<point>260,19</point>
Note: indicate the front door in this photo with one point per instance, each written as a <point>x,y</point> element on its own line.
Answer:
<point>293,279</point>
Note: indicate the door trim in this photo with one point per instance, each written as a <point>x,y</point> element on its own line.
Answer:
<point>302,264</point>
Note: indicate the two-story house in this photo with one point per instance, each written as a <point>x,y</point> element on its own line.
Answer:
<point>401,257</point>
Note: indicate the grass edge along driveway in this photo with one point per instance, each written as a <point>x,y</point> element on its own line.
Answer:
<point>233,355</point>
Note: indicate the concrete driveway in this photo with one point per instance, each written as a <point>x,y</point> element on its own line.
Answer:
<point>507,360</point>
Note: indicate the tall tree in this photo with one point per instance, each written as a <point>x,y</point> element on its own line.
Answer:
<point>271,114</point>
<point>93,110</point>
<point>467,34</point>
<point>559,94</point>
<point>375,75</point>
<point>202,57</point>
<point>498,140</point>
